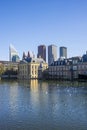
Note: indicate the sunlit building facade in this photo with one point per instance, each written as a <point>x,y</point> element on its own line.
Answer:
<point>31,68</point>
<point>10,69</point>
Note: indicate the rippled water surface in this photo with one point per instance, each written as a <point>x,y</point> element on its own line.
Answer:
<point>37,105</point>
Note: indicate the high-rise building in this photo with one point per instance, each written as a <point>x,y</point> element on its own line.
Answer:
<point>42,52</point>
<point>52,53</point>
<point>63,52</point>
<point>13,54</point>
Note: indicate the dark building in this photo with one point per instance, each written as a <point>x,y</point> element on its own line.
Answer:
<point>42,52</point>
<point>84,57</point>
<point>63,52</point>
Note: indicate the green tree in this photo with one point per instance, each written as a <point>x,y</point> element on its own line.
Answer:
<point>1,69</point>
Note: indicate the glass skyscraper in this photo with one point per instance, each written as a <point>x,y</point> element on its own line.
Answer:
<point>13,54</point>
<point>63,52</point>
<point>52,54</point>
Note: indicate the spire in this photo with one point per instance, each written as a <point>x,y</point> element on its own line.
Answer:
<point>28,55</point>
<point>23,55</point>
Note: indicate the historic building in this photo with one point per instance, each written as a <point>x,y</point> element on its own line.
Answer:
<point>31,68</point>
<point>10,69</point>
<point>72,68</point>
<point>10,65</point>
<point>60,70</point>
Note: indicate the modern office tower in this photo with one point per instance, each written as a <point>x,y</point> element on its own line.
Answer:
<point>13,54</point>
<point>52,54</point>
<point>42,52</point>
<point>63,52</point>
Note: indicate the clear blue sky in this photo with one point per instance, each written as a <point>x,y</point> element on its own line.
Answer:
<point>29,23</point>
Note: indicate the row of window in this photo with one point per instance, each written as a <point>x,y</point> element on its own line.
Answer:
<point>57,68</point>
<point>59,73</point>
<point>82,66</point>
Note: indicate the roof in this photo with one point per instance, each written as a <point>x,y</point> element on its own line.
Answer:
<point>33,60</point>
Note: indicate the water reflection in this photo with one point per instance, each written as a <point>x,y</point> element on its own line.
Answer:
<point>43,105</point>
<point>13,98</point>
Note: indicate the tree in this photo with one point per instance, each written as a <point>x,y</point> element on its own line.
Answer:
<point>1,68</point>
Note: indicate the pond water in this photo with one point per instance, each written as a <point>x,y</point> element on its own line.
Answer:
<point>43,105</point>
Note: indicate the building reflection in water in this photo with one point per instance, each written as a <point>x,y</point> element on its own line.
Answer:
<point>13,98</point>
<point>34,85</point>
<point>39,96</point>
<point>34,104</point>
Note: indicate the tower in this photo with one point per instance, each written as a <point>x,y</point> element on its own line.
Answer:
<point>42,52</point>
<point>13,54</point>
<point>52,53</point>
<point>63,52</point>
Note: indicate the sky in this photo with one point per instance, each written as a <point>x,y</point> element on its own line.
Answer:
<point>29,23</point>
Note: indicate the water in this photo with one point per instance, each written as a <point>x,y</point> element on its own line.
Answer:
<point>37,105</point>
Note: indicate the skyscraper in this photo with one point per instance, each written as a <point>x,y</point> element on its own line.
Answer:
<point>42,52</point>
<point>13,54</point>
<point>52,53</point>
<point>63,52</point>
